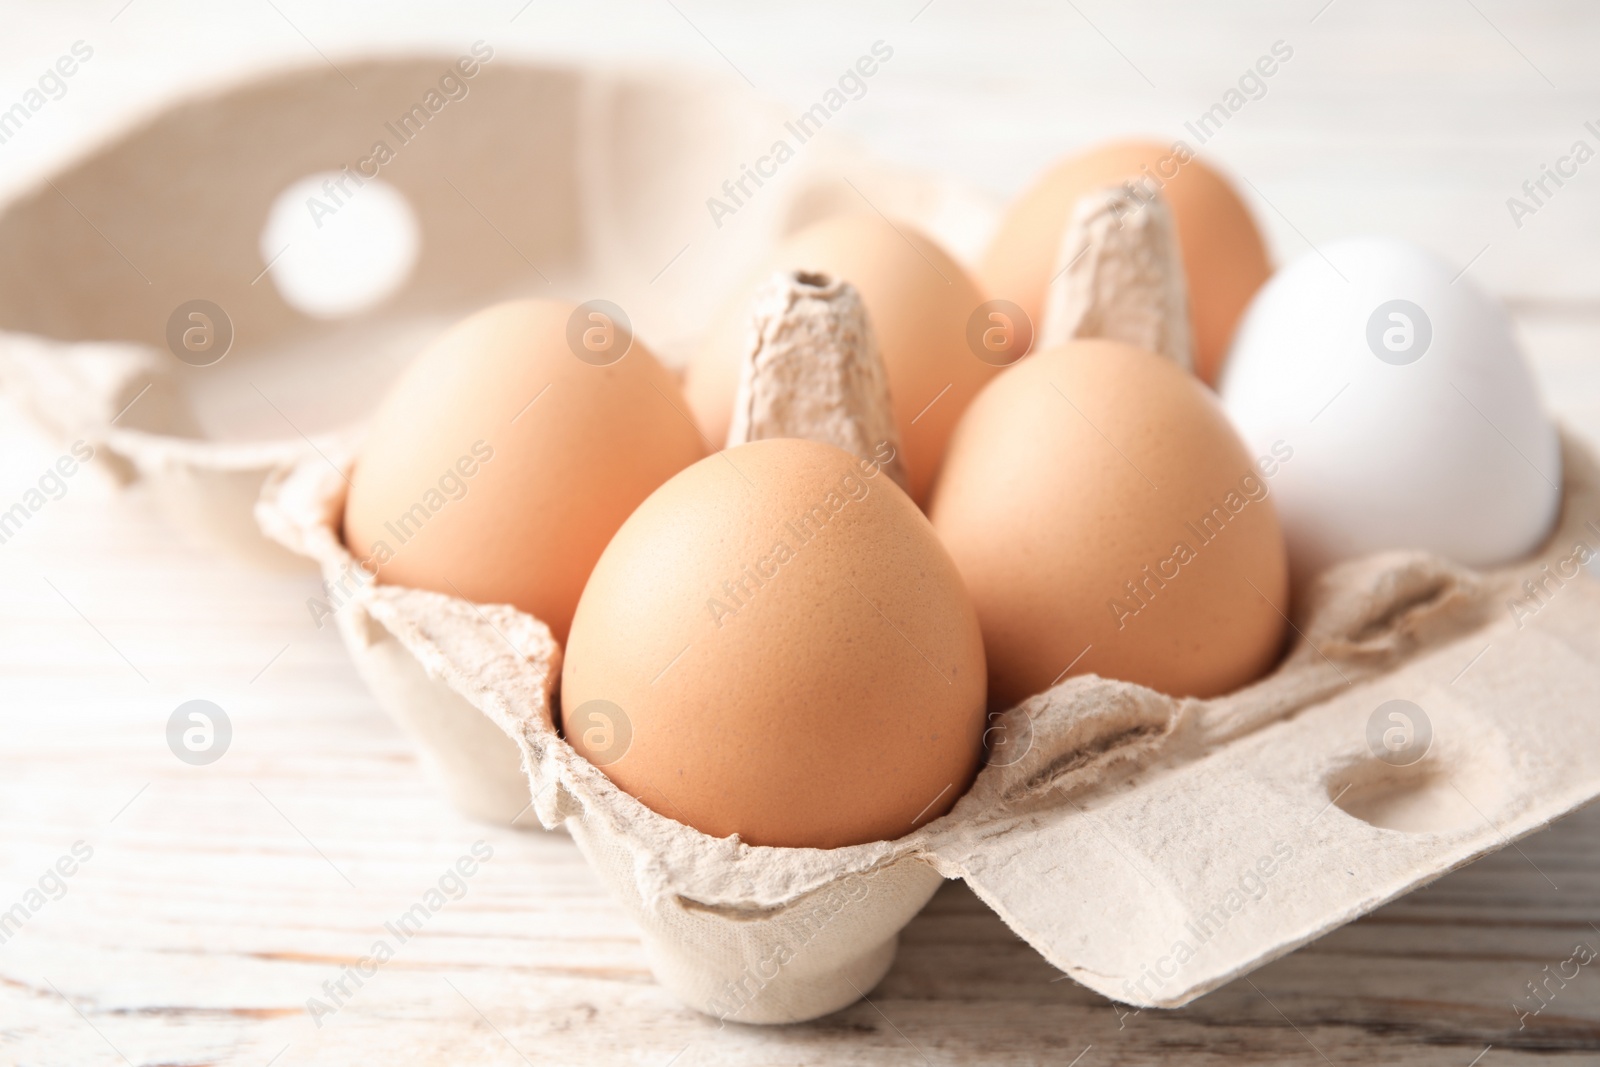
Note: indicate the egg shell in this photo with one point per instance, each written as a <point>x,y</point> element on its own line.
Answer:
<point>1070,485</point>
<point>1419,431</point>
<point>1224,258</point>
<point>500,463</point>
<point>785,651</point>
<point>918,300</point>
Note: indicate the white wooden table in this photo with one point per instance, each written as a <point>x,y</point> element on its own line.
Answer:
<point>219,899</point>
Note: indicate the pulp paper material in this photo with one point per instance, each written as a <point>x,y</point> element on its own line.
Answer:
<point>1152,848</point>
<point>755,935</point>
<point>82,391</point>
<point>123,400</point>
<point>401,639</point>
<point>1119,276</point>
<point>1213,836</point>
<point>813,370</point>
<point>559,206</point>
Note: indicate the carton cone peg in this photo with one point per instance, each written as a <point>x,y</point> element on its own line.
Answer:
<point>812,369</point>
<point>1119,276</point>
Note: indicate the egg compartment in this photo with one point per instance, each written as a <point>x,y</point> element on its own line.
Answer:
<point>1152,848</point>
<point>528,179</point>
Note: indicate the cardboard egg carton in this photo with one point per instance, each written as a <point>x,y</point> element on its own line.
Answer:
<point>84,315</point>
<point>525,182</point>
<point>1152,848</point>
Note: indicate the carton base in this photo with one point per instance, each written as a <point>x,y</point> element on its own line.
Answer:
<point>469,758</point>
<point>795,1000</point>
<point>762,965</point>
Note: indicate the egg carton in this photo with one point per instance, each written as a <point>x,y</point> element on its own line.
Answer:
<point>95,261</point>
<point>1152,848</point>
<point>526,181</point>
<point>768,935</point>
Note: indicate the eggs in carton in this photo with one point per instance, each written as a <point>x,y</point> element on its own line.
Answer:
<point>1153,847</point>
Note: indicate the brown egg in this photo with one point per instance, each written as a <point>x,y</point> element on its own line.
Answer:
<point>1224,257</point>
<point>919,301</point>
<point>501,463</point>
<point>775,645</point>
<point>1108,520</point>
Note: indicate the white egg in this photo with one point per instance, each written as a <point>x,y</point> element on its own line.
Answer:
<point>1402,411</point>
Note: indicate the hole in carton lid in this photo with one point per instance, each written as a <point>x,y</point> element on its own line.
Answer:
<point>1434,795</point>
<point>337,243</point>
